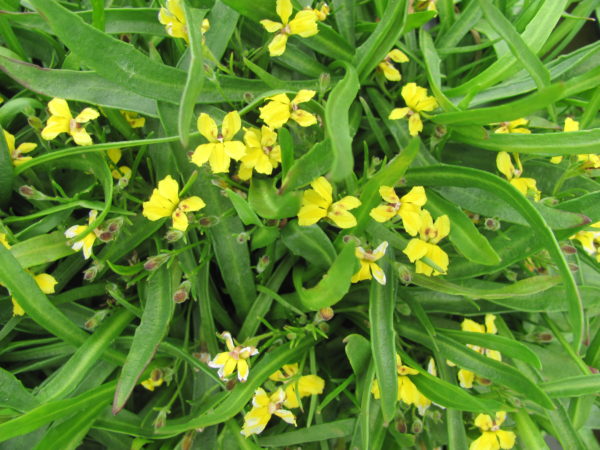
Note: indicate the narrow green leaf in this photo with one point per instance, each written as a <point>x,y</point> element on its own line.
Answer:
<point>287,151</point>
<point>530,436</point>
<point>310,166</point>
<point>358,352</point>
<point>432,64</point>
<point>41,249</point>
<point>576,386</point>
<point>310,243</point>
<point>463,234</point>
<point>268,203</point>
<point>337,124</point>
<point>153,327</point>
<point>13,394</point>
<point>331,430</point>
<point>334,284</point>
<point>243,209</point>
<point>383,345</point>
<point>465,177</point>
<point>195,75</point>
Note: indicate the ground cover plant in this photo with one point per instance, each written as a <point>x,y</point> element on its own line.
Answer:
<point>290,224</point>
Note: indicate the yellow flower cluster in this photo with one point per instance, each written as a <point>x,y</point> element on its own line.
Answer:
<point>288,395</point>
<point>425,246</point>
<point>492,437</point>
<point>513,174</point>
<point>407,391</point>
<point>61,121</point>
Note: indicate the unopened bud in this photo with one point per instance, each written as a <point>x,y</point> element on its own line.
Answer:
<point>544,336</point>
<point>182,292</point>
<point>31,193</point>
<point>568,249</point>
<point>291,336</point>
<point>401,426</point>
<point>440,131</point>
<point>95,320</point>
<point>161,419</point>
<point>173,236</point>
<point>106,236</point>
<point>35,122</point>
<point>263,263</point>
<point>326,313</point>
<point>122,182</point>
<point>324,82</point>
<point>403,308</point>
<point>511,275</point>
<point>573,267</point>
<point>202,357</point>
<point>436,416</point>
<point>491,224</point>
<point>248,97</point>
<point>188,440</point>
<point>90,273</point>
<point>242,238</point>
<point>154,262</point>
<point>209,221</point>
<point>231,384</point>
<point>404,274</point>
<point>417,426</point>
<point>351,238</point>
<point>324,327</point>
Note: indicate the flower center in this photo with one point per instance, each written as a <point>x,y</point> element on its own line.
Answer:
<point>74,125</point>
<point>286,30</point>
<point>268,149</point>
<point>235,353</point>
<point>369,256</point>
<point>220,137</point>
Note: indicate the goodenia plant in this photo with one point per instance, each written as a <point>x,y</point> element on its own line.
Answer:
<point>276,224</point>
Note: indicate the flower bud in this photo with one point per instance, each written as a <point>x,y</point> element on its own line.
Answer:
<point>209,221</point>
<point>35,122</point>
<point>417,426</point>
<point>324,327</point>
<point>491,224</point>
<point>324,82</point>
<point>350,238</point>
<point>242,238</point>
<point>161,418</point>
<point>173,235</point>
<point>263,263</point>
<point>326,313</point>
<point>106,236</point>
<point>568,249</point>
<point>31,193</point>
<point>248,97</point>
<point>95,320</point>
<point>404,274</point>
<point>573,267</point>
<point>154,262</point>
<point>401,426</point>
<point>91,272</point>
<point>182,292</point>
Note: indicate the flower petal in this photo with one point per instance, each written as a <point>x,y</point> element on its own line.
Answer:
<point>324,189</point>
<point>80,136</point>
<point>304,24</point>
<point>271,26</point>
<point>416,249</point>
<point>277,48</point>
<point>46,282</point>
<point>398,113</point>
<point>234,149</point>
<point>415,125</point>
<point>377,273</point>
<point>54,126</point>
<point>388,194</point>
<point>86,115</point>
<point>168,188</point>
<point>207,127</point>
<point>284,10</point>
<point>303,118</point>
<point>59,107</point>
<point>310,214</point>
<point>277,112</point>
<point>341,217</point>
<point>303,96</point>
<point>203,153</point>
<point>231,125</point>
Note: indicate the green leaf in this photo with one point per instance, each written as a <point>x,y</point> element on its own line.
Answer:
<point>463,234</point>
<point>316,433</point>
<point>310,166</point>
<point>528,431</point>
<point>546,144</point>
<point>310,243</point>
<point>358,352</point>
<point>432,64</point>
<point>382,40</point>
<point>517,45</point>
<point>13,394</point>
<point>576,386</point>
<point>243,209</point>
<point>334,284</point>
<point>50,411</point>
<point>268,203</point>
<point>383,346</point>
<point>41,249</point>
<point>337,125</point>
<point>6,171</point>
<point>447,175</point>
<point>506,346</point>
<point>195,75</point>
<point>154,326</point>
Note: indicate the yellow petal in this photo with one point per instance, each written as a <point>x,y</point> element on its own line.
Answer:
<point>202,153</point>
<point>348,202</point>
<point>341,217</point>
<point>375,390</point>
<point>411,219</point>
<point>407,391</point>
<point>310,385</point>
<point>484,422</point>
<point>397,56</point>
<point>291,396</point>
<point>80,136</point>
<point>243,370</point>
<point>411,93</point>
<point>556,159</point>
<point>276,113</point>
<point>310,214</point>
<point>284,10</point>
<point>416,249</point>
<point>490,324</point>
<point>388,194</point>
<point>442,227</point>
<point>303,96</point>
<point>86,115</point>
<point>234,149</point>
<point>398,113</point>
<point>271,26</point>
<point>17,309</point>
<point>46,283</point>
<point>377,273</point>
<point>277,48</point>
<point>505,165</point>
<point>231,125</point>
<point>304,24</point>
<point>364,273</point>
<point>3,240</point>
<point>487,441</point>
<point>114,154</point>
<point>175,8</point>
<point>207,127</point>
<point>26,147</point>
<point>252,137</point>
<point>506,438</point>
<point>415,196</point>
<point>303,118</point>
<point>286,415</point>
<point>312,197</point>
<point>383,213</point>
<point>54,126</point>
<point>59,107</point>
<point>10,141</point>
<point>389,71</point>
<point>169,189</point>
<point>571,125</point>
<point>219,160</point>
<point>180,220</point>
<point>379,252</point>
<point>323,188</point>
<point>439,257</point>
<point>415,125</point>
<point>191,204</point>
<point>466,378</point>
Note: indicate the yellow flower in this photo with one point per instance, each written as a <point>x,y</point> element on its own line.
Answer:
<point>263,408</point>
<point>587,239</point>
<point>423,403</point>
<point>88,240</point>
<point>280,109</point>
<point>466,377</point>
<point>416,101</point>
<point>321,13</point>
<point>4,241</point>
<point>165,202</point>
<point>514,126</point>
<point>426,245</point>
<point>388,69</point>
<point>492,437</point>
<point>304,24</point>
<point>221,147</point>
<point>133,119</point>
<point>407,391</point>
<point>317,203</point>
<point>297,387</point>
<point>590,161</point>
<point>16,154</point>
<point>408,208</point>
<point>155,380</point>
<point>368,267</point>
<point>61,121</point>
<point>235,358</point>
<point>173,18</point>
<point>118,173</point>
<point>46,284</point>
<point>513,175</point>
<point>263,154</point>
<point>425,5</point>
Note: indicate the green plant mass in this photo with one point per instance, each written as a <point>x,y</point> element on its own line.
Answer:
<point>362,225</point>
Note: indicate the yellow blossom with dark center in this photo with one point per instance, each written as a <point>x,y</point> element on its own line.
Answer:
<point>425,245</point>
<point>317,203</point>
<point>417,101</point>
<point>61,121</point>
<point>235,358</point>
<point>492,437</point>
<point>280,109</point>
